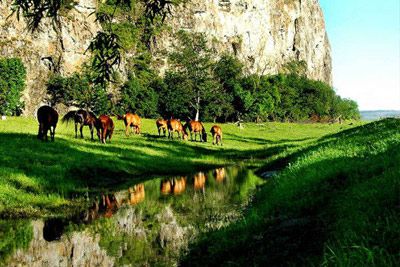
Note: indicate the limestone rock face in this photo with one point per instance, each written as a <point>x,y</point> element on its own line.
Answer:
<point>264,34</point>
<point>49,48</point>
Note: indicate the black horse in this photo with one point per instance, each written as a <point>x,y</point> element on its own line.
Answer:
<point>83,118</point>
<point>48,118</point>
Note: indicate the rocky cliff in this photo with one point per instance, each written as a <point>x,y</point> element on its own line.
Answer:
<point>264,34</point>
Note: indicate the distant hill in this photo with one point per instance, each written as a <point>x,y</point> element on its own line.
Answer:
<point>371,115</point>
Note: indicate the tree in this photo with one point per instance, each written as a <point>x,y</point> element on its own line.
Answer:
<point>12,83</point>
<point>192,63</point>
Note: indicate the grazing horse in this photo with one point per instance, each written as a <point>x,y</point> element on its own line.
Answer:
<point>131,120</point>
<point>176,126</point>
<point>216,132</point>
<point>162,125</point>
<point>48,118</point>
<point>105,128</point>
<point>196,127</point>
<point>82,117</point>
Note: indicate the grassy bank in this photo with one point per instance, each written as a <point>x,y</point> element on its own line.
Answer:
<point>39,178</point>
<point>336,204</point>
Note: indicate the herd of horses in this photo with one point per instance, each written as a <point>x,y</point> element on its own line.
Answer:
<point>104,125</point>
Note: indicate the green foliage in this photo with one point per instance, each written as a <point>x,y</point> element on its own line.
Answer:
<point>77,90</point>
<point>192,70</point>
<point>12,83</point>
<point>138,97</point>
<point>34,11</point>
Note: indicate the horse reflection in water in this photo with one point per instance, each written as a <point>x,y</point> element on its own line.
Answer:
<point>136,194</point>
<point>109,203</point>
<point>220,175</point>
<point>173,186</point>
<point>199,181</point>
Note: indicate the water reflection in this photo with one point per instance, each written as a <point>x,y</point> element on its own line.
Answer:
<point>144,223</point>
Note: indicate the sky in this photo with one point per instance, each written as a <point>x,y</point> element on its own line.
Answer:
<point>365,41</point>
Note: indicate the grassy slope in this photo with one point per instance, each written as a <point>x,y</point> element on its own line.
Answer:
<point>39,178</point>
<point>336,204</point>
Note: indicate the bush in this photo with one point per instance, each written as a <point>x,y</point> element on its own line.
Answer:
<point>12,83</point>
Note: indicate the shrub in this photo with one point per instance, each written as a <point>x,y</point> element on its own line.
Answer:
<point>12,83</point>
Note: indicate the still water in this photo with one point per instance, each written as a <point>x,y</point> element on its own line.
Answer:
<point>148,224</point>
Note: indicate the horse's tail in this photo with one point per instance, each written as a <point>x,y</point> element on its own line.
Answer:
<point>204,129</point>
<point>69,116</point>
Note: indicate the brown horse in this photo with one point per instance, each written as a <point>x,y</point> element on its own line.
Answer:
<point>216,132</point>
<point>106,207</point>
<point>131,120</point>
<point>105,128</point>
<point>176,126</point>
<point>196,127</point>
<point>82,117</point>
<point>48,118</point>
<point>162,125</point>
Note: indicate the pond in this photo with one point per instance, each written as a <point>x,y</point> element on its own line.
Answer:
<point>149,224</point>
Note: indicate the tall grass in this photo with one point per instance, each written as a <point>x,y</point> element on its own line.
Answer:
<point>335,204</point>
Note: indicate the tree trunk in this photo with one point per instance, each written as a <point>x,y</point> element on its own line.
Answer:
<point>197,109</point>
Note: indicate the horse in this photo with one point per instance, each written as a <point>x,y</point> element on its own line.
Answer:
<point>162,125</point>
<point>48,118</point>
<point>216,132</point>
<point>105,128</point>
<point>176,126</point>
<point>196,127</point>
<point>131,120</point>
<point>82,117</point>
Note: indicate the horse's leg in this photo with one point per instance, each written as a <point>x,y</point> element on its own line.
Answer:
<point>126,129</point>
<point>91,130</point>
<point>214,139</point>
<point>39,136</point>
<point>76,130</point>
<point>53,133</point>
<point>159,131</point>
<point>46,129</point>
<point>110,133</point>
<point>104,135</point>
<point>220,139</point>
<point>81,130</point>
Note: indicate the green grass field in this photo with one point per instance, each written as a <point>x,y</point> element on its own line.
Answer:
<point>41,178</point>
<point>337,203</point>
<point>334,202</point>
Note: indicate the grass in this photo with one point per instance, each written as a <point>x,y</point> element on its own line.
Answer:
<point>44,178</point>
<point>335,204</point>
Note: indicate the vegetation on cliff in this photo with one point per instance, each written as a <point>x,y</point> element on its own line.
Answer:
<point>12,83</point>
